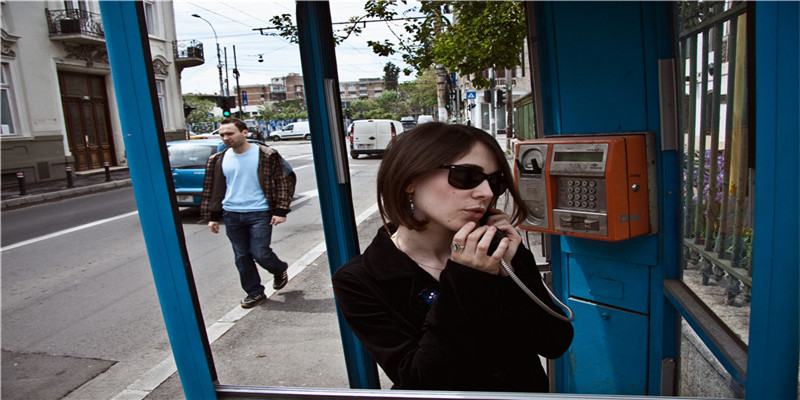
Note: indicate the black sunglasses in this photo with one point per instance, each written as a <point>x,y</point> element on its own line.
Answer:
<point>466,177</point>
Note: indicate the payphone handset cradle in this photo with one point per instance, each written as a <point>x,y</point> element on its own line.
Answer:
<point>591,186</point>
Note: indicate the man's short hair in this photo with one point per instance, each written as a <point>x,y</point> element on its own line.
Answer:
<point>240,125</point>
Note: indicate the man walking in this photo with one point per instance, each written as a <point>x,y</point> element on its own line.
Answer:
<point>248,189</point>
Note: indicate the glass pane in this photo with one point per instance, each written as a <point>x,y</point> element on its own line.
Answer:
<point>75,85</point>
<point>74,119</point>
<point>98,89</point>
<point>7,121</point>
<point>100,115</point>
<point>718,183</point>
<point>90,133</point>
<point>189,155</point>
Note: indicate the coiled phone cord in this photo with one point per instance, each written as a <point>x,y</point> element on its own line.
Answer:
<point>570,316</point>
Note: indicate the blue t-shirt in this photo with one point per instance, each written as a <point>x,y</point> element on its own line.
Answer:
<point>243,192</point>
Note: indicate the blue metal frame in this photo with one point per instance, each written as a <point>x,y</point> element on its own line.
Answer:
<point>618,93</point>
<point>319,64</point>
<point>129,53</point>
<point>772,359</point>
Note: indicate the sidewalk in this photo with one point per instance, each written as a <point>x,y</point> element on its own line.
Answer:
<point>84,182</point>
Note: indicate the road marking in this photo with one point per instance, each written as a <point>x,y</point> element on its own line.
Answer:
<point>153,378</point>
<point>66,231</point>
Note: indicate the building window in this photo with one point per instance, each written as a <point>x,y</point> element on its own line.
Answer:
<point>161,100</point>
<point>9,105</point>
<point>149,15</point>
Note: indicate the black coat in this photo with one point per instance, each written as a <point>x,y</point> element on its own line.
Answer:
<point>469,331</point>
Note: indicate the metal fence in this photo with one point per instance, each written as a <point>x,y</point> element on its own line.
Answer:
<point>718,145</point>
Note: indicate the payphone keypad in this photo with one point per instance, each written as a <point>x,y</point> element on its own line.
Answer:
<point>581,193</point>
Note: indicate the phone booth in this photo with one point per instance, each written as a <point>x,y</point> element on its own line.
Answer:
<point>605,88</point>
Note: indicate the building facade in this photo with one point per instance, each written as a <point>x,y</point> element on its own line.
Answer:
<point>58,101</point>
<point>481,106</point>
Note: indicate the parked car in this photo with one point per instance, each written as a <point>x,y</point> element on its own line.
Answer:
<point>187,161</point>
<point>408,122</point>
<point>372,136</point>
<point>424,118</point>
<point>295,130</point>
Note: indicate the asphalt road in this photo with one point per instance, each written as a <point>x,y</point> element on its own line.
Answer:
<point>80,312</point>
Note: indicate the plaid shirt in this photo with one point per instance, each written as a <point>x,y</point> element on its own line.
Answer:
<point>271,176</point>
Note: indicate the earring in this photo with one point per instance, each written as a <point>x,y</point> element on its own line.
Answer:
<point>411,204</point>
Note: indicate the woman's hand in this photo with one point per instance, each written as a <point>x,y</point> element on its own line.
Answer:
<point>472,244</point>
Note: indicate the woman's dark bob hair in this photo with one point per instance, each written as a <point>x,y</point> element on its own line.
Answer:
<point>423,150</point>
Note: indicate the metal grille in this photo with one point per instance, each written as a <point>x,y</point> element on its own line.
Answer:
<point>717,146</point>
<point>70,22</point>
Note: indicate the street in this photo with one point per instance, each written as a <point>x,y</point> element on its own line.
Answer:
<point>79,305</point>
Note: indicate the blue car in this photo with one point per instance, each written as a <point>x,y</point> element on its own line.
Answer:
<point>187,160</point>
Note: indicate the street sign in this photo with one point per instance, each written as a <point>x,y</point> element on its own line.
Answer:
<point>244,98</point>
<point>472,95</point>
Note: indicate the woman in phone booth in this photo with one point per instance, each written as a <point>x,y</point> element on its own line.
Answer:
<point>428,298</point>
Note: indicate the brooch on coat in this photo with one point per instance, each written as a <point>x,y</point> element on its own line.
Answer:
<point>427,296</point>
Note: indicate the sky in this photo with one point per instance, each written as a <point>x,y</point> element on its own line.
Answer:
<point>234,21</point>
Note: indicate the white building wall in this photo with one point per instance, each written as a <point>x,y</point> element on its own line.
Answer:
<point>39,146</point>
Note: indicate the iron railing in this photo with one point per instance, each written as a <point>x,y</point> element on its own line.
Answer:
<point>717,146</point>
<point>188,49</point>
<point>74,22</point>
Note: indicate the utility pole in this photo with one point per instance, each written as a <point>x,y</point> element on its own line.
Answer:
<point>227,84</point>
<point>238,91</point>
<point>509,110</point>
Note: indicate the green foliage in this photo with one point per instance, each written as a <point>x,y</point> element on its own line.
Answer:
<point>391,74</point>
<point>286,109</point>
<point>386,106</point>
<point>420,94</point>
<point>485,34</point>
<point>201,110</point>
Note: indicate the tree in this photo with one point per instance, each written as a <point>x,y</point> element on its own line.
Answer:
<point>390,78</point>
<point>285,109</point>
<point>420,94</point>
<point>481,35</point>
<point>202,108</point>
<point>478,35</point>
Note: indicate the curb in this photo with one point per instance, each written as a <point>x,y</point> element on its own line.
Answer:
<point>62,194</point>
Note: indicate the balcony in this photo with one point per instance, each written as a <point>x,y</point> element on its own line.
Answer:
<point>188,53</point>
<point>75,26</point>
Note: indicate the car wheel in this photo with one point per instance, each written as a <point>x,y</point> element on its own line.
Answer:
<point>307,136</point>
<point>354,155</point>
<point>276,138</point>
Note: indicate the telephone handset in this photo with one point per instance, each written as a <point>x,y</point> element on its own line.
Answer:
<point>498,236</point>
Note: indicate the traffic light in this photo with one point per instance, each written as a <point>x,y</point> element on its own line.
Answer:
<point>225,104</point>
<point>487,96</point>
<point>501,98</point>
<point>226,108</point>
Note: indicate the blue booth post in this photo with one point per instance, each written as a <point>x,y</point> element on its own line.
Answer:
<point>129,53</point>
<point>333,176</point>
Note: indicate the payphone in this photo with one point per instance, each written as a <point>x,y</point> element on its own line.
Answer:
<point>591,186</point>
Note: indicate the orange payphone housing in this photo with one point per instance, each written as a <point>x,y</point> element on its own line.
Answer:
<point>589,186</point>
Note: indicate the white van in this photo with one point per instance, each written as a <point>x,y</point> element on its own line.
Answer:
<point>372,136</point>
<point>295,130</point>
<point>424,118</point>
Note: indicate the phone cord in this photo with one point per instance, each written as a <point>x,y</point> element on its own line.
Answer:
<point>570,316</point>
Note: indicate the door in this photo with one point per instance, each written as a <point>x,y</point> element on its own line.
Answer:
<point>86,117</point>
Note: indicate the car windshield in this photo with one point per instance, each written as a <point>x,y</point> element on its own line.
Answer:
<point>190,155</point>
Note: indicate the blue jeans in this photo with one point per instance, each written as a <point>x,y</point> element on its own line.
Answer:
<point>250,234</point>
